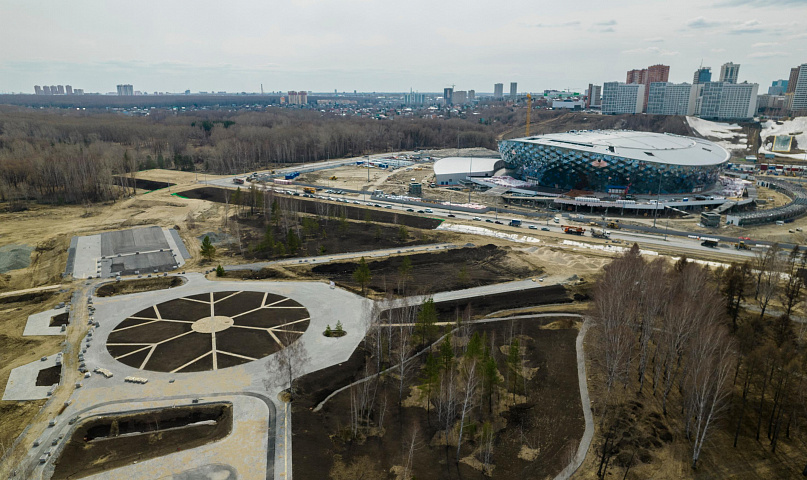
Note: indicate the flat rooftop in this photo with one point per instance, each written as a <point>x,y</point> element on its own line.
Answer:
<point>643,146</point>
<point>472,165</point>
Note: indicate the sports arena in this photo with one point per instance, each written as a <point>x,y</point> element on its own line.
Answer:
<point>616,161</point>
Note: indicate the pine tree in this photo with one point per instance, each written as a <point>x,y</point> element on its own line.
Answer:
<point>362,274</point>
<point>220,271</point>
<point>208,250</point>
<point>425,327</point>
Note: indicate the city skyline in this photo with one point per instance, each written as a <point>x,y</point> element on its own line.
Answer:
<point>202,47</point>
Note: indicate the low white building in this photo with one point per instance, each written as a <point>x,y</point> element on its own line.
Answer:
<point>453,170</point>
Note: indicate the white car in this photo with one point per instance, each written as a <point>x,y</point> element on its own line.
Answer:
<point>476,218</point>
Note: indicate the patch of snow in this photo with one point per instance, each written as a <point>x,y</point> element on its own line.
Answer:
<point>473,230</point>
<point>771,129</point>
<point>719,132</point>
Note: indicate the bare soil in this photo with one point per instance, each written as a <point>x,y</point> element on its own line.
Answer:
<point>306,205</point>
<point>138,285</point>
<point>96,446</point>
<point>547,420</point>
<point>435,272</point>
<point>59,320</point>
<point>48,376</point>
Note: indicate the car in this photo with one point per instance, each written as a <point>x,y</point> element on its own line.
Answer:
<point>544,229</point>
<point>476,218</point>
<point>451,215</point>
<point>357,202</point>
<point>489,220</point>
<point>387,206</point>
<point>498,222</point>
<point>533,227</point>
<point>410,209</point>
<point>377,205</point>
<point>421,211</point>
<point>429,210</point>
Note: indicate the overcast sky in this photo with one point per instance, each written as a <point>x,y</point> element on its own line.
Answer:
<point>386,45</point>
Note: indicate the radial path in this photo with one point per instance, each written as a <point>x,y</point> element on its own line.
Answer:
<point>208,331</point>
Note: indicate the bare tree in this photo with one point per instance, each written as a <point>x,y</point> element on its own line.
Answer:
<point>708,381</point>
<point>290,362</point>
<point>769,279</point>
<point>470,383</point>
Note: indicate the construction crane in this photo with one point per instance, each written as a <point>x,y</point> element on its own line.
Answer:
<point>529,109</point>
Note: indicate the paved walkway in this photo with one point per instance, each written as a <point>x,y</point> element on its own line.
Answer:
<point>588,434</point>
<point>342,256</point>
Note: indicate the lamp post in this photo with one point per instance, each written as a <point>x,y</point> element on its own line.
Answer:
<point>658,198</point>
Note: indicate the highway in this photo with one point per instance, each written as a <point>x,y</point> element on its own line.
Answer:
<point>645,235</point>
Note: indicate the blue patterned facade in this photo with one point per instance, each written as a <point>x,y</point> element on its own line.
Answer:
<point>566,168</point>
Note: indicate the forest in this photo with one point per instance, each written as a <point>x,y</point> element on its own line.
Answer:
<point>713,357</point>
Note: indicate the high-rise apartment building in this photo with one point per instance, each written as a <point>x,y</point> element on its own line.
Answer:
<point>671,99</point>
<point>646,76</point>
<point>78,91</point>
<point>778,87</point>
<point>593,96</point>
<point>125,89</point>
<point>729,72</point>
<point>799,102</point>
<point>414,98</point>
<point>60,89</point>
<point>68,89</point>
<point>37,90</point>
<point>448,96</point>
<point>622,98</point>
<point>54,89</point>
<point>793,79</point>
<point>46,90</point>
<point>298,98</point>
<point>471,95</point>
<point>727,101</point>
<point>498,91</point>
<point>513,90</point>
<point>636,76</point>
<point>459,97</point>
<point>702,75</point>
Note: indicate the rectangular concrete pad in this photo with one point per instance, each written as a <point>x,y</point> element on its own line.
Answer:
<point>22,381</point>
<point>180,245</point>
<point>39,324</point>
<point>133,240</point>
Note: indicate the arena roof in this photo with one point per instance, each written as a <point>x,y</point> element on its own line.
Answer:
<point>643,146</point>
<point>459,165</point>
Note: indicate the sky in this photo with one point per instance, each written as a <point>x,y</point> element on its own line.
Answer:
<point>387,45</point>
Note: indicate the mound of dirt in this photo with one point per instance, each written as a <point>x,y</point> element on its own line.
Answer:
<point>15,257</point>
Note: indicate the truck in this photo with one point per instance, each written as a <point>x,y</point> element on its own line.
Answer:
<point>309,190</point>
<point>571,230</point>
<point>614,225</point>
<point>709,242</point>
<point>515,223</point>
<point>600,233</point>
<point>742,244</point>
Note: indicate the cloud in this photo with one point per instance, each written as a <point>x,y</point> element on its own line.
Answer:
<point>717,50</point>
<point>761,3</point>
<point>653,40</point>
<point>650,51</point>
<point>701,22</point>
<point>572,23</point>
<point>606,23</point>
<point>768,54</point>
<point>764,44</point>
<point>607,30</point>
<point>749,26</point>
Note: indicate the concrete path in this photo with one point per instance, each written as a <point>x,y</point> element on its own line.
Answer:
<point>30,290</point>
<point>343,256</point>
<point>588,434</point>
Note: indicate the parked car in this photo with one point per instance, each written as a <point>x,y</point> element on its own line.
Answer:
<point>476,218</point>
<point>533,227</point>
<point>544,229</point>
<point>451,215</point>
<point>410,209</point>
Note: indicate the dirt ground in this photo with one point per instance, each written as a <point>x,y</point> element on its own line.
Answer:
<point>140,285</point>
<point>436,272</point>
<point>546,421</point>
<point>96,447</point>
